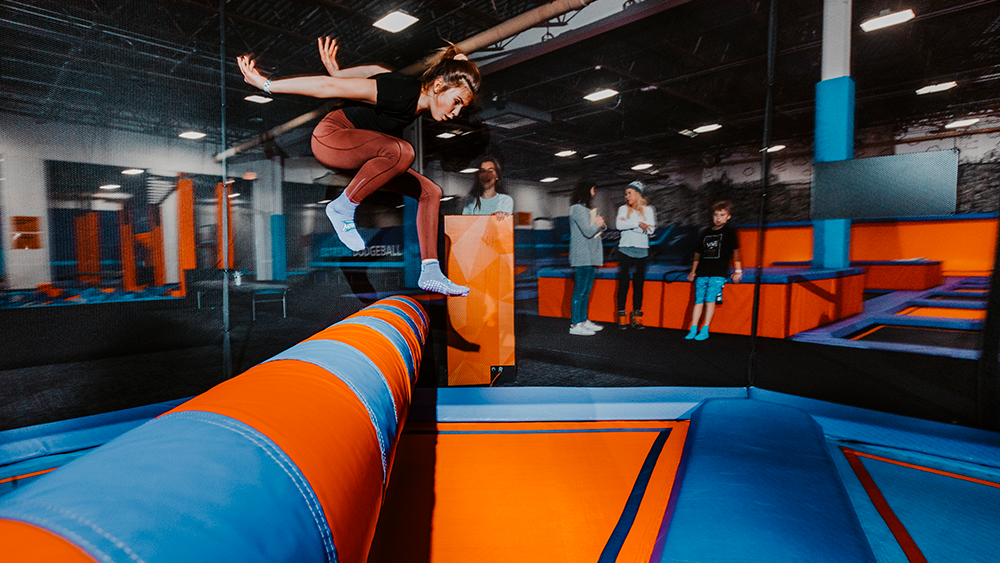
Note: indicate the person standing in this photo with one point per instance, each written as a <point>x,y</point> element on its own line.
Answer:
<point>487,192</point>
<point>586,254</point>
<point>636,220</point>
<point>717,245</point>
<point>365,137</point>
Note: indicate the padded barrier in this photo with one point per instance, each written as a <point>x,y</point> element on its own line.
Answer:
<point>286,462</point>
<point>756,483</point>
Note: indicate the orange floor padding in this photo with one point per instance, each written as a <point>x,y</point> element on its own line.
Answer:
<point>944,312</point>
<point>530,491</point>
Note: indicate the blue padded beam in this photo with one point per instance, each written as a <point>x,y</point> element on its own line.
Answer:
<point>756,483</point>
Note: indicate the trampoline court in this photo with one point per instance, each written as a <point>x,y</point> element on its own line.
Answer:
<point>946,320</point>
<point>656,474</point>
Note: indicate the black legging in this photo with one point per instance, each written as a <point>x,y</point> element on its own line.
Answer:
<point>626,265</point>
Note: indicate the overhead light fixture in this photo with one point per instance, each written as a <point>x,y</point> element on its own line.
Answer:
<point>232,195</point>
<point>395,21</point>
<point>775,148</point>
<point>468,171</point>
<point>193,135</point>
<point>962,123</point>
<point>885,20</point>
<point>565,153</point>
<point>549,179</point>
<point>937,88</point>
<point>589,156</point>
<point>448,198</point>
<point>324,201</point>
<point>642,166</point>
<point>445,135</point>
<point>132,171</point>
<point>258,99</point>
<point>707,128</point>
<point>108,187</point>
<point>688,133</point>
<point>600,95</point>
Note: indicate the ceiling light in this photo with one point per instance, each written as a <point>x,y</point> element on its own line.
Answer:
<point>446,135</point>
<point>448,198</point>
<point>688,133</point>
<point>937,88</point>
<point>193,135</point>
<point>589,156</point>
<point>565,153</point>
<point>469,171</point>
<point>600,95</point>
<point>395,22</point>
<point>108,187</point>
<point>962,123</point>
<point>707,128</point>
<point>775,148</point>
<point>132,171</point>
<point>885,20</point>
<point>258,99</point>
<point>549,179</point>
<point>324,201</point>
<point>231,196</point>
<point>642,166</point>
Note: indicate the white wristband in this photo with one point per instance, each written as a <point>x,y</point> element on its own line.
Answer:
<point>267,86</point>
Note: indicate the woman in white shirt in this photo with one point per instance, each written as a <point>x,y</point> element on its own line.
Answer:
<point>636,220</point>
<point>486,196</point>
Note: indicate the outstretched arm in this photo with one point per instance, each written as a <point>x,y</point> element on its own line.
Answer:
<point>357,89</point>
<point>328,53</point>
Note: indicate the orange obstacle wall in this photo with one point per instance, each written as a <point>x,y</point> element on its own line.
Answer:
<point>963,245</point>
<point>481,326</point>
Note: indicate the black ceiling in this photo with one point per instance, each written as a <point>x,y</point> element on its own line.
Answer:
<point>153,66</point>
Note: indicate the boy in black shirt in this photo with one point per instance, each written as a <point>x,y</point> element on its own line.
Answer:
<point>710,269</point>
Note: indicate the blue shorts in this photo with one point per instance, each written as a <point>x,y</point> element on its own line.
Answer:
<point>707,289</point>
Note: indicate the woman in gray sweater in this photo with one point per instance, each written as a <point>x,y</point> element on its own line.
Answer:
<point>585,254</point>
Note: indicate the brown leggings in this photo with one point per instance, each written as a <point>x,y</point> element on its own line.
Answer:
<point>379,161</point>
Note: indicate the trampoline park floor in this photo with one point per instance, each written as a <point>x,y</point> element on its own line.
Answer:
<point>945,321</point>
<point>562,474</point>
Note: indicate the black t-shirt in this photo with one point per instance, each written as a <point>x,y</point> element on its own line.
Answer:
<point>396,108</point>
<point>716,249</point>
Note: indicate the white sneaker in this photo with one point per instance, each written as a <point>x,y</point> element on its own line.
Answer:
<point>580,329</point>
<point>591,326</point>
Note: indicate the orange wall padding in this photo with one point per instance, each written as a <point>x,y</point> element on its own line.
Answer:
<point>88,248</point>
<point>964,246</point>
<point>25,543</point>
<point>187,258</point>
<point>523,491</point>
<point>781,244</point>
<point>222,192</point>
<point>127,238</point>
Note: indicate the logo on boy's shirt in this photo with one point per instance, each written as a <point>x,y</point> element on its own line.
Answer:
<point>713,246</point>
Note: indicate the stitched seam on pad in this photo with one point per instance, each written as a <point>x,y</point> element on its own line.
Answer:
<point>94,527</point>
<point>315,507</point>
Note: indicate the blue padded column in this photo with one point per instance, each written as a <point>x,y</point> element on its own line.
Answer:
<point>279,255</point>
<point>834,140</point>
<point>756,483</point>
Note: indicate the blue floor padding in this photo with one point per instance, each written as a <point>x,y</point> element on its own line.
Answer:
<point>951,520</point>
<point>757,483</point>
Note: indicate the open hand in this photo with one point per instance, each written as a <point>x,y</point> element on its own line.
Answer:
<point>328,54</point>
<point>250,74</point>
<point>501,215</point>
